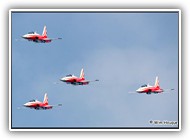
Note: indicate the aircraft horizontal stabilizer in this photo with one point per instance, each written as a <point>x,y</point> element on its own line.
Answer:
<point>93,80</point>
<point>168,89</point>
<point>56,105</point>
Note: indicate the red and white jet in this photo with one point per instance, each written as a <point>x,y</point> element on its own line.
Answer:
<point>35,104</point>
<point>71,79</point>
<point>35,37</point>
<point>151,89</point>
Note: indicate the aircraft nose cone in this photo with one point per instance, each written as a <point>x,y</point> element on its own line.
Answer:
<point>138,90</point>
<point>26,104</point>
<point>24,36</point>
<point>62,79</point>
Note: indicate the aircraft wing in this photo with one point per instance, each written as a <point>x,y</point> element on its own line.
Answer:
<point>91,81</point>
<point>46,39</point>
<point>88,81</point>
<point>51,106</point>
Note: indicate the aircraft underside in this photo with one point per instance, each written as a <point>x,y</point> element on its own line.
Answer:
<point>41,108</point>
<point>39,41</point>
<point>155,92</point>
<point>77,83</point>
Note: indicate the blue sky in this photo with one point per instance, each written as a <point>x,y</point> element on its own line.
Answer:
<point>122,50</point>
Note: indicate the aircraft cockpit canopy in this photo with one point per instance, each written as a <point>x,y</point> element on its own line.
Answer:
<point>31,32</point>
<point>69,75</point>
<point>144,85</point>
<point>32,100</point>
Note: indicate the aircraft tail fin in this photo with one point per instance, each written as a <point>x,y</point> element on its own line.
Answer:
<point>82,74</point>
<point>45,99</point>
<point>44,32</point>
<point>156,82</point>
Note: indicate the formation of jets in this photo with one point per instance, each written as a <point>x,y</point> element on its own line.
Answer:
<point>74,80</point>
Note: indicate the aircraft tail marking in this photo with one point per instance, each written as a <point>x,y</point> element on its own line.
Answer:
<point>45,99</point>
<point>44,32</point>
<point>82,74</point>
<point>156,82</point>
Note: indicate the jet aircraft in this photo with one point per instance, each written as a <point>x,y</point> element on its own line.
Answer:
<point>71,79</point>
<point>35,37</point>
<point>148,89</point>
<point>35,104</point>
